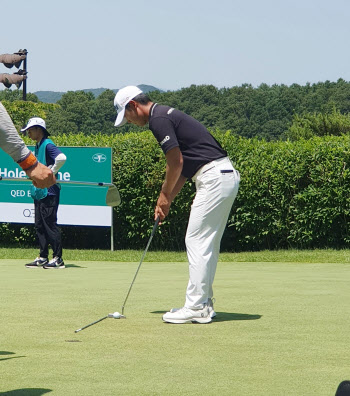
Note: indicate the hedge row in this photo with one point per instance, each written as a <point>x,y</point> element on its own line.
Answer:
<point>292,194</point>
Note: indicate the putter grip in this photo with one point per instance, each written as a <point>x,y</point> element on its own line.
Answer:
<point>156,224</point>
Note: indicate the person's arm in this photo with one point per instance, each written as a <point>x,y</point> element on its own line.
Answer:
<point>56,156</point>
<point>14,146</point>
<point>59,162</point>
<point>41,176</point>
<point>173,182</point>
<point>11,142</point>
<point>178,186</point>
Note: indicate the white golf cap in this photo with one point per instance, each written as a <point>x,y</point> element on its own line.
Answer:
<point>35,121</point>
<point>122,98</point>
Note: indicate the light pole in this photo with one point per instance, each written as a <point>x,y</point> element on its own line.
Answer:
<point>25,52</point>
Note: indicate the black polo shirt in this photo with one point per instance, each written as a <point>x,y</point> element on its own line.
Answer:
<point>173,128</point>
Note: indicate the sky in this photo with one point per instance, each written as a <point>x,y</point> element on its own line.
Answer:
<point>83,44</point>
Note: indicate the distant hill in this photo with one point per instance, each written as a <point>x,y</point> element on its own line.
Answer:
<point>53,97</point>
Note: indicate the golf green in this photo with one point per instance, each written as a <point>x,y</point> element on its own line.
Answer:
<point>281,329</point>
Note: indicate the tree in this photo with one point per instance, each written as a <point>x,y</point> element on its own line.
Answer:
<point>12,95</point>
<point>72,114</point>
<point>20,111</point>
<point>319,124</point>
<point>102,115</point>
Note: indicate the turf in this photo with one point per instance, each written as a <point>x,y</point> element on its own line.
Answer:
<point>281,329</point>
<point>290,255</point>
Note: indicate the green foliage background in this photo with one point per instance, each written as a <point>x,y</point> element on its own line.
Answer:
<point>20,111</point>
<point>290,144</point>
<point>292,194</point>
<point>268,112</point>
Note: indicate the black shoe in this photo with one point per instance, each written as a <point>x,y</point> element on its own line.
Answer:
<point>343,389</point>
<point>55,263</point>
<point>37,263</point>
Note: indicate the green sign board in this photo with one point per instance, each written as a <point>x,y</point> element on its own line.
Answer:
<point>88,164</point>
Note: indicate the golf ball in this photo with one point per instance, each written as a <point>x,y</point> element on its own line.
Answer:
<point>116,315</point>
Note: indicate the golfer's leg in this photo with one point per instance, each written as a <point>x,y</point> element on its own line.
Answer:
<point>225,208</point>
<point>40,229</point>
<point>55,232</point>
<point>202,243</point>
<point>197,254</point>
<point>229,190</point>
<point>52,231</point>
<point>216,193</point>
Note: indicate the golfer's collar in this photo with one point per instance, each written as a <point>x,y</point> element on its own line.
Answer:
<point>152,108</point>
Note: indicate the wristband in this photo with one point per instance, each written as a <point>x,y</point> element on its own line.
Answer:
<point>29,162</point>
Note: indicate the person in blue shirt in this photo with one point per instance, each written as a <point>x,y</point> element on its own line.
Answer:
<point>15,147</point>
<point>46,201</point>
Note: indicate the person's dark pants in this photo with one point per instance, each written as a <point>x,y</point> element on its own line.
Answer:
<point>46,225</point>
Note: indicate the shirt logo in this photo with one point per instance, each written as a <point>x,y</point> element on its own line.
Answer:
<point>99,157</point>
<point>170,110</point>
<point>165,140</point>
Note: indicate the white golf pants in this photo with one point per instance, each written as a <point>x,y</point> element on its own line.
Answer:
<point>217,185</point>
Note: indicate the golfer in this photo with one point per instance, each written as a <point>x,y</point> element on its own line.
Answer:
<point>191,153</point>
<point>14,146</point>
<point>46,201</point>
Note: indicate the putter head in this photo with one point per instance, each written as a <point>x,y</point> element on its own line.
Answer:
<point>113,196</point>
<point>116,315</point>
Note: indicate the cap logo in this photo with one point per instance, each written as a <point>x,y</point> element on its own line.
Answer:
<point>125,101</point>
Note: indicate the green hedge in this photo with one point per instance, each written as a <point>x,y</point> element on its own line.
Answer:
<point>292,194</point>
<point>138,171</point>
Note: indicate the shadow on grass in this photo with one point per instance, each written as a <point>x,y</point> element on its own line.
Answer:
<point>73,266</point>
<point>226,316</point>
<point>5,353</point>
<point>26,392</point>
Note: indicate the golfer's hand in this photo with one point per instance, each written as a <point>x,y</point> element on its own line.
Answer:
<point>42,176</point>
<point>162,207</point>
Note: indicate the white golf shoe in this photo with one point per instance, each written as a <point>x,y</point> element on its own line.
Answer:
<point>186,315</point>
<point>210,305</point>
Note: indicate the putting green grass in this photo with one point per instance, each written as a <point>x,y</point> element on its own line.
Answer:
<point>281,329</point>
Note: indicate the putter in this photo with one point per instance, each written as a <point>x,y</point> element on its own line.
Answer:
<point>112,196</point>
<point>143,256</point>
<point>117,315</point>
